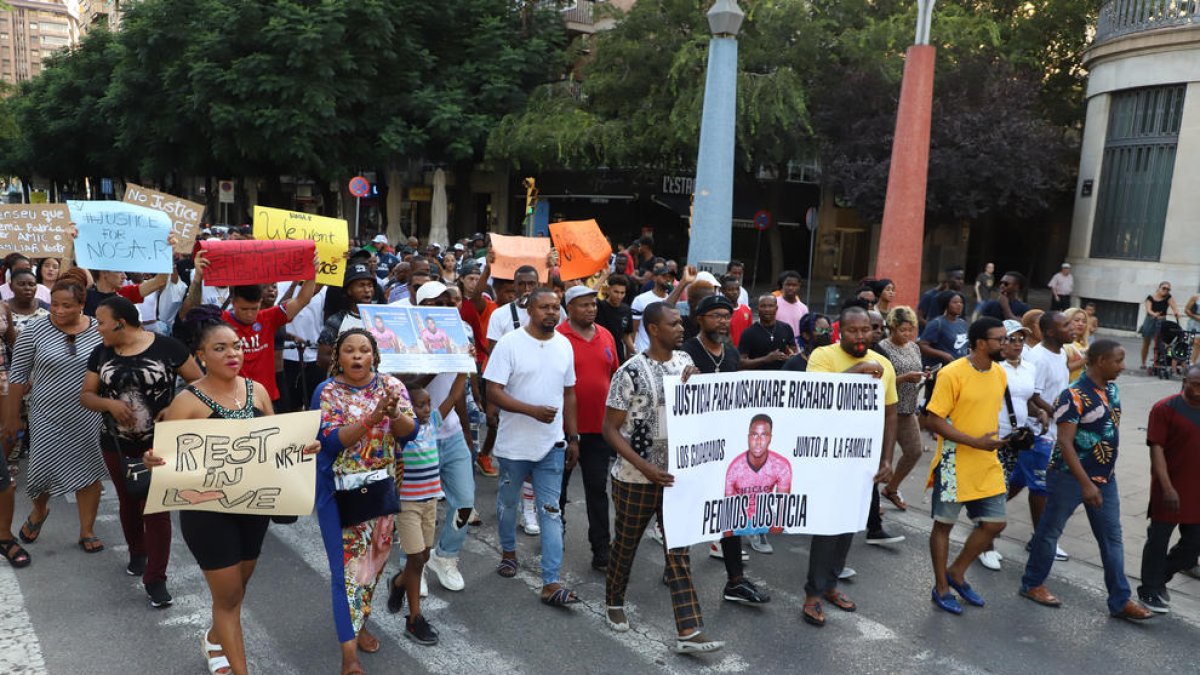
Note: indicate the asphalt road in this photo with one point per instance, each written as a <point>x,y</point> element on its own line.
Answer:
<point>76,613</point>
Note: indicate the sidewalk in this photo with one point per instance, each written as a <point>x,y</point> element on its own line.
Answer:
<point>1139,393</point>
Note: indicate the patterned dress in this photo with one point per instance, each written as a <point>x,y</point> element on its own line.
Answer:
<point>357,554</point>
<point>64,452</point>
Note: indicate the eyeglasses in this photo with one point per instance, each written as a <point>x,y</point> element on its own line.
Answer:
<point>1002,340</point>
<point>823,331</point>
<point>70,344</point>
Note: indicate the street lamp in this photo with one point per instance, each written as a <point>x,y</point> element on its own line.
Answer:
<point>712,202</point>
<point>902,234</point>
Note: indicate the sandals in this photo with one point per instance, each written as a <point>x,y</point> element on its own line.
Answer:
<point>840,600</point>
<point>35,529</point>
<point>217,665</point>
<point>91,544</point>
<point>12,551</point>
<point>560,597</point>
<point>507,568</point>
<point>366,642</point>
<point>816,617</point>
<point>895,498</point>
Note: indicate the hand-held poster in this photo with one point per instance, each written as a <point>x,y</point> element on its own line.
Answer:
<point>122,237</point>
<point>331,235</point>
<point>419,339</point>
<point>754,453</point>
<point>255,466</point>
<point>36,230</point>
<point>185,215</point>
<point>238,263</point>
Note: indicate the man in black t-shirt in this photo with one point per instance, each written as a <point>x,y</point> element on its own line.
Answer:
<point>616,316</point>
<point>712,352</point>
<point>767,343</point>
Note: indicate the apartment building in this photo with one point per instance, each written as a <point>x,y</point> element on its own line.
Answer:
<point>30,32</point>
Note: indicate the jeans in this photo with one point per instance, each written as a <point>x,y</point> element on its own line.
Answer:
<point>1158,566</point>
<point>458,484</point>
<point>594,456</point>
<point>547,483</point>
<point>1064,495</point>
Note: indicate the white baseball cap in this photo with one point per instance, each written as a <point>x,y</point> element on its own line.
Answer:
<point>430,290</point>
<point>380,239</point>
<point>578,292</point>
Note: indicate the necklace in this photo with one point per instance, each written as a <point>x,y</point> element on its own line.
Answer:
<point>716,362</point>
<point>978,369</point>
<point>237,402</point>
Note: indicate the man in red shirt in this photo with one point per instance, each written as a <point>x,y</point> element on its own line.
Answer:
<point>595,362</point>
<point>1174,438</point>
<point>742,317</point>
<point>255,326</point>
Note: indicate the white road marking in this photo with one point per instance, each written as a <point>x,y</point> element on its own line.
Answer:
<point>20,651</point>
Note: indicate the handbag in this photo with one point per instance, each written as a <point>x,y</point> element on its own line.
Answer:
<point>1020,438</point>
<point>136,476</point>
<point>367,501</point>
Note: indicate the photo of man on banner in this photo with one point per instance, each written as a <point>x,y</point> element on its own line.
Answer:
<point>758,470</point>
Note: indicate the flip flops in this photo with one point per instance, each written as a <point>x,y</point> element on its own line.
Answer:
<point>840,600</point>
<point>91,544</point>
<point>35,529</point>
<point>815,617</point>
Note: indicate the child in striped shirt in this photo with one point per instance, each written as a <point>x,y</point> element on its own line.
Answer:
<point>420,488</point>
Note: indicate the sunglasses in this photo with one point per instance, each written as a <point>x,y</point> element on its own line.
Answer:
<point>71,345</point>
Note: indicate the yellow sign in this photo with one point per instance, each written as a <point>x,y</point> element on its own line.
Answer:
<point>255,466</point>
<point>420,193</point>
<point>331,235</point>
<point>39,197</point>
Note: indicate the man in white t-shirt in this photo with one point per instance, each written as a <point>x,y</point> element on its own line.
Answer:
<point>300,369</point>
<point>1053,376</point>
<point>737,270</point>
<point>531,379</point>
<point>509,317</point>
<point>663,280</point>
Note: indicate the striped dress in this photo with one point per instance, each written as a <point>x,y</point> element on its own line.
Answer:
<point>64,437</point>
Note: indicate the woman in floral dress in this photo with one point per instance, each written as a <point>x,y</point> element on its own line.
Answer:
<point>366,417</point>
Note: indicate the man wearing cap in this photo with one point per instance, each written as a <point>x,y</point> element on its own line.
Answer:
<point>358,289</point>
<point>661,292</point>
<point>419,269</point>
<point>1060,286</point>
<point>454,455</point>
<point>595,362</point>
<point>712,352</point>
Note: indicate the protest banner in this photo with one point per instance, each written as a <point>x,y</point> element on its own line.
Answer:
<point>243,262</point>
<point>419,339</point>
<point>513,252</point>
<point>331,235</point>
<point>122,237</point>
<point>582,248</point>
<point>35,230</point>
<point>185,216</point>
<point>758,452</point>
<point>253,466</point>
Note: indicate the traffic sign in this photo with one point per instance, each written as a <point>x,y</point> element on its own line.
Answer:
<point>225,192</point>
<point>810,219</point>
<point>360,187</point>
<point>762,220</point>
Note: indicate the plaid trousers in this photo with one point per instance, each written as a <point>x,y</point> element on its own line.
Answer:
<point>635,505</point>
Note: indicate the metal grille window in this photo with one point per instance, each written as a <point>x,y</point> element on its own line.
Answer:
<point>1113,314</point>
<point>1135,177</point>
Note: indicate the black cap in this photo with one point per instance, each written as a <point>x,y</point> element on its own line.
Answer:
<point>359,254</point>
<point>712,302</point>
<point>660,270</point>
<point>355,272</point>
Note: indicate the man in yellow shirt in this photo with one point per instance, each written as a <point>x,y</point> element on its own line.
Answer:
<point>964,412</point>
<point>827,555</point>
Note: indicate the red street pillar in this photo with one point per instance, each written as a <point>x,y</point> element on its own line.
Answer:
<point>902,236</point>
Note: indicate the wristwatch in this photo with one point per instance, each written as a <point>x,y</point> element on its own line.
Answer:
<point>572,438</point>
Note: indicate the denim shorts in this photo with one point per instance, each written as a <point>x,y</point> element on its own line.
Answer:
<point>988,510</point>
<point>1030,469</point>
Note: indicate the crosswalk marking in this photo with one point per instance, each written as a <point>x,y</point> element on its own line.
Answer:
<point>22,652</point>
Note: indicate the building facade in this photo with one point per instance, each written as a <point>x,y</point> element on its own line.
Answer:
<point>31,31</point>
<point>1136,221</point>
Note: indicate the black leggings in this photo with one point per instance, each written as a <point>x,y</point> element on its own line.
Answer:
<point>220,540</point>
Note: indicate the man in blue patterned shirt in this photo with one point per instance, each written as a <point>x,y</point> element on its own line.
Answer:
<point>1088,414</point>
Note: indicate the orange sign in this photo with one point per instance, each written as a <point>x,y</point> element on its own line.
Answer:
<point>513,252</point>
<point>583,249</point>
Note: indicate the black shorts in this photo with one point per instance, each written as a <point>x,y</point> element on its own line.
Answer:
<point>220,540</point>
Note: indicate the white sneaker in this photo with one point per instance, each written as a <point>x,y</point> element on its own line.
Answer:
<point>424,586</point>
<point>529,523</point>
<point>846,573</point>
<point>999,555</point>
<point>760,544</point>
<point>446,570</point>
<point>1060,554</point>
<point>990,560</point>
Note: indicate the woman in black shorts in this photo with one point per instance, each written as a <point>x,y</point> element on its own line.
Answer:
<point>226,546</point>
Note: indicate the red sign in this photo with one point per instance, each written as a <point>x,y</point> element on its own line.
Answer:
<point>762,220</point>
<point>244,262</point>
<point>360,187</point>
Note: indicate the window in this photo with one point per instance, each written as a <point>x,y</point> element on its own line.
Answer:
<point>1116,315</point>
<point>54,40</point>
<point>1136,173</point>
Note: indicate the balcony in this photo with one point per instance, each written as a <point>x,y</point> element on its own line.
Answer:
<point>1119,18</point>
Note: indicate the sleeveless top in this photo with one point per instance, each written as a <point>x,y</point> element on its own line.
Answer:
<point>1159,306</point>
<point>220,412</point>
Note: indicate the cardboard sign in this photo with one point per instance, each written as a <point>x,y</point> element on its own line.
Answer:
<point>255,466</point>
<point>419,339</point>
<point>513,252</point>
<point>331,235</point>
<point>583,249</point>
<point>240,263</point>
<point>35,230</point>
<point>758,452</point>
<point>185,216</point>
<point>121,237</point>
